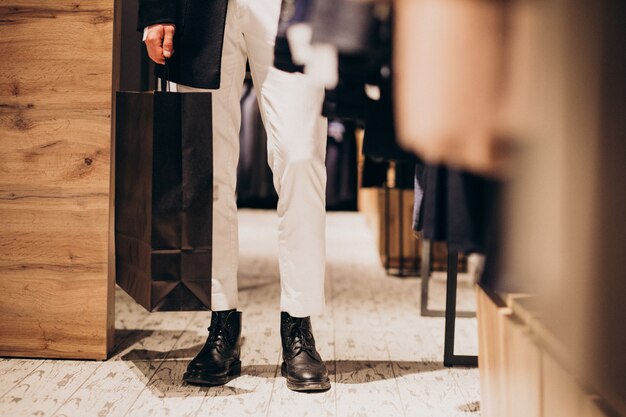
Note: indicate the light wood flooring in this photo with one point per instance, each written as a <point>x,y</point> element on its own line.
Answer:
<point>384,358</point>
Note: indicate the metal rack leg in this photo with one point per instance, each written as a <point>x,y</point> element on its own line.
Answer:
<point>426,261</point>
<point>387,226</point>
<point>401,270</point>
<point>449,358</point>
<point>426,280</point>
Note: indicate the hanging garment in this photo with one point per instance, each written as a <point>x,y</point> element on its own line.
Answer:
<point>404,175</point>
<point>335,43</point>
<point>362,60</point>
<point>373,173</point>
<point>255,187</point>
<point>418,203</point>
<point>380,139</point>
<point>457,207</point>
<point>348,100</point>
<point>323,31</point>
<point>450,62</point>
<point>348,25</point>
<point>341,166</point>
<point>291,12</point>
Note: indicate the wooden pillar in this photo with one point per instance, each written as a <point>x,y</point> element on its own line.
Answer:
<point>56,269</point>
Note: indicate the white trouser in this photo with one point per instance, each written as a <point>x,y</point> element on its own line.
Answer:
<point>290,106</point>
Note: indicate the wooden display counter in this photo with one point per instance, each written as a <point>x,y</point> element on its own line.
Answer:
<point>524,371</point>
<point>56,275</point>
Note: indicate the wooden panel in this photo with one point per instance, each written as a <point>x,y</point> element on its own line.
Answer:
<point>561,394</point>
<point>55,165</point>
<point>491,313</point>
<point>372,204</point>
<point>566,231</point>
<point>523,370</point>
<point>401,239</point>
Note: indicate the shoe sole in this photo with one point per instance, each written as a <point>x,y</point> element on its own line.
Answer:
<point>304,386</point>
<point>202,379</point>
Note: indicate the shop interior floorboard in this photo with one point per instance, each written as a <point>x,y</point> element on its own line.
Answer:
<point>384,358</point>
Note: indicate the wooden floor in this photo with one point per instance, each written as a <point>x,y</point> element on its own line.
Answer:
<point>384,358</point>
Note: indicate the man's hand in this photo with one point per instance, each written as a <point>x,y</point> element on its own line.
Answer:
<point>160,42</point>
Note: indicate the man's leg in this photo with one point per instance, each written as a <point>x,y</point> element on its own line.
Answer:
<point>213,366</point>
<point>291,105</point>
<point>226,124</point>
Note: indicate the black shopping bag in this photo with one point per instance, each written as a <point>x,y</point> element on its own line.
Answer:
<point>163,199</point>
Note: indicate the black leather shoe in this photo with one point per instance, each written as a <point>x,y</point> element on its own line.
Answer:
<point>302,365</point>
<point>218,362</point>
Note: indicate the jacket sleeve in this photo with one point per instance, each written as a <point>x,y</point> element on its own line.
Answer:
<point>156,11</point>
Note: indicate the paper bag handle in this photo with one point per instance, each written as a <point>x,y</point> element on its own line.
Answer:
<point>165,85</point>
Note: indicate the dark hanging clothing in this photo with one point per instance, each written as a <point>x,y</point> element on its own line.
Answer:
<point>374,173</point>
<point>348,25</point>
<point>348,100</point>
<point>362,44</point>
<point>255,187</point>
<point>365,61</point>
<point>291,12</point>
<point>463,210</point>
<point>457,207</point>
<point>341,166</point>
<point>418,204</point>
<point>380,141</point>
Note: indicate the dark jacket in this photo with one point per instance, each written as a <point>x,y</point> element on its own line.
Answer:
<point>198,40</point>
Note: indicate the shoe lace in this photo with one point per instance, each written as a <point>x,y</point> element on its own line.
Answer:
<point>301,340</point>
<point>219,334</point>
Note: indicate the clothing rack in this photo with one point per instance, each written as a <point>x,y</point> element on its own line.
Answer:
<point>450,313</point>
